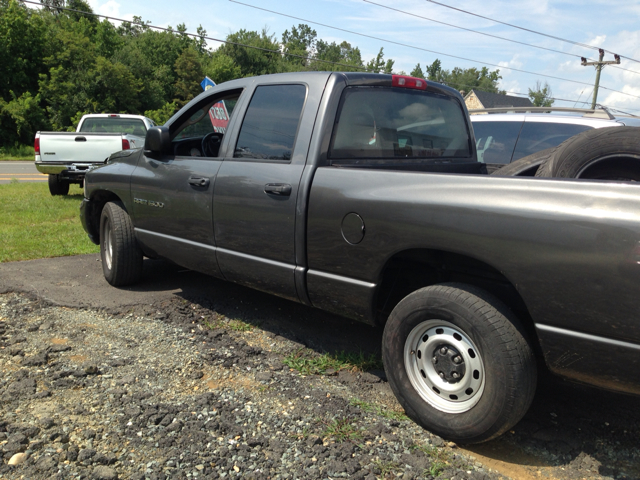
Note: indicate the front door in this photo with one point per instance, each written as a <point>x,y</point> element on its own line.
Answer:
<point>173,194</point>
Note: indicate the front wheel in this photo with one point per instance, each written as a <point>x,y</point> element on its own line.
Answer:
<point>121,256</point>
<point>458,362</point>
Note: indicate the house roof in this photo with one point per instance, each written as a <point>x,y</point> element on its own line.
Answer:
<point>497,100</point>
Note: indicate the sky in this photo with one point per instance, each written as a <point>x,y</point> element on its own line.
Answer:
<point>613,25</point>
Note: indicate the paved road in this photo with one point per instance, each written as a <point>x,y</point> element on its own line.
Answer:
<point>22,171</point>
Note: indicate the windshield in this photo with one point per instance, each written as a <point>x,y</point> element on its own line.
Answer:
<point>381,122</point>
<point>132,126</point>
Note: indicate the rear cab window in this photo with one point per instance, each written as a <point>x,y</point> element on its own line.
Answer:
<point>387,125</point>
<point>132,126</point>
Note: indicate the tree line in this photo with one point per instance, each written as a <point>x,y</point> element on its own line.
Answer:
<point>61,63</point>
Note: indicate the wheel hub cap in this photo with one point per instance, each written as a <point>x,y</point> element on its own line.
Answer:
<point>448,363</point>
<point>444,366</point>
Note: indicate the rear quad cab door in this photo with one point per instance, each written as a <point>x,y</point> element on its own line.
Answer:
<point>173,193</point>
<point>257,189</point>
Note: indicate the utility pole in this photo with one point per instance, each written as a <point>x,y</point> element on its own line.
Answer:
<point>599,64</point>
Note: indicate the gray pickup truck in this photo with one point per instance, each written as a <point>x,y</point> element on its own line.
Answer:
<point>361,194</point>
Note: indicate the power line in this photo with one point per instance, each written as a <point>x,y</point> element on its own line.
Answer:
<point>527,29</point>
<point>425,49</point>
<point>147,25</point>
<point>471,30</point>
<point>486,34</point>
<point>527,95</point>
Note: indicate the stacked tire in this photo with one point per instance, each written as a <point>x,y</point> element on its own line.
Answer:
<point>598,154</point>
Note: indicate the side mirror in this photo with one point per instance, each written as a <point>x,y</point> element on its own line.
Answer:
<point>157,141</point>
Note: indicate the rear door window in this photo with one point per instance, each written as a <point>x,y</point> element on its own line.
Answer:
<point>536,136</point>
<point>270,125</point>
<point>392,123</point>
<point>495,141</point>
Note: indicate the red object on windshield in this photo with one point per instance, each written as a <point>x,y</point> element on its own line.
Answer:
<point>408,82</point>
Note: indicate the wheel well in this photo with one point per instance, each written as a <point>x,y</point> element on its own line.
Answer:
<point>98,201</point>
<point>411,270</point>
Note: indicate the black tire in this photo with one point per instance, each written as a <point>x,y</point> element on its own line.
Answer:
<point>121,256</point>
<point>602,154</point>
<point>496,360</point>
<point>525,166</point>
<point>58,186</point>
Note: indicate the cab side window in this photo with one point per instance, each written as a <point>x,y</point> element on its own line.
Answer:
<point>200,135</point>
<point>270,125</point>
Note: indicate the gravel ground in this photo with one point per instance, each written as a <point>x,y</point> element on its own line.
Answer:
<point>176,390</point>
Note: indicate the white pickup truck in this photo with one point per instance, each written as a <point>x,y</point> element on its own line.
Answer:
<point>67,156</point>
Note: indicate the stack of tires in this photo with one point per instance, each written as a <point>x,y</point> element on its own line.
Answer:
<point>598,154</point>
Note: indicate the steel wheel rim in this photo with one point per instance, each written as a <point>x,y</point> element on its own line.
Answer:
<point>425,343</point>
<point>108,245</point>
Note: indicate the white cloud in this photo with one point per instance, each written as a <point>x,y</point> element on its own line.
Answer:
<point>597,41</point>
<point>515,62</point>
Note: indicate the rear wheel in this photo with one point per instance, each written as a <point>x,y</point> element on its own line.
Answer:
<point>458,362</point>
<point>57,186</point>
<point>119,250</point>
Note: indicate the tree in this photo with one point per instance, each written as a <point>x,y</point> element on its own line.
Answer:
<point>465,78</point>
<point>435,72</point>
<point>20,119</point>
<point>77,6</point>
<point>220,67</point>
<point>300,42</point>
<point>263,60</point>
<point>334,57</point>
<point>469,78</point>
<point>378,65</point>
<point>188,76</point>
<point>161,115</point>
<point>22,40</point>
<point>417,72</point>
<point>113,88</point>
<point>541,96</point>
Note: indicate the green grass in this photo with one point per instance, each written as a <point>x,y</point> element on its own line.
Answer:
<point>307,363</point>
<point>20,152</point>
<point>33,224</point>
<point>341,430</point>
<point>439,458</point>
<point>383,412</point>
<point>220,321</point>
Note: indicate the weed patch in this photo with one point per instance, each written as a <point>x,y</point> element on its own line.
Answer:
<point>383,412</point>
<point>341,430</point>
<point>307,363</point>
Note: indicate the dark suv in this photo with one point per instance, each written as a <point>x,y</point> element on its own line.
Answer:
<point>504,135</point>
